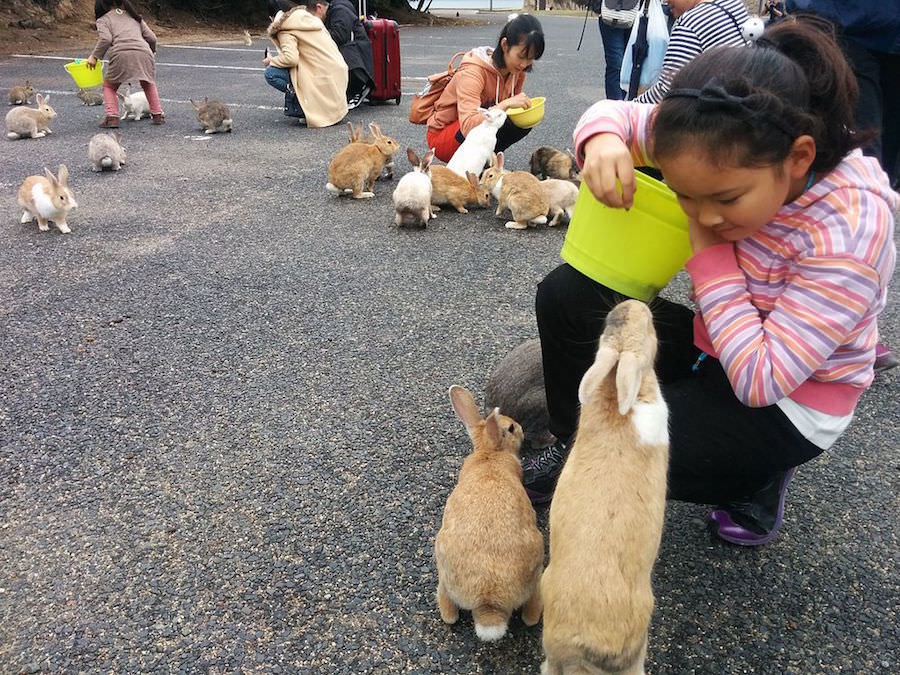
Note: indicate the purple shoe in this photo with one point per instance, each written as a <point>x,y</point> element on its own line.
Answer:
<point>884,358</point>
<point>756,522</point>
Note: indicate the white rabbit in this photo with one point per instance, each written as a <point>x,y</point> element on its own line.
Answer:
<point>412,196</point>
<point>134,105</point>
<point>476,151</point>
<point>606,518</point>
<point>562,195</point>
<point>105,151</point>
<point>48,197</point>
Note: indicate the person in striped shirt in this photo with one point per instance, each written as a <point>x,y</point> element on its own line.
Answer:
<point>699,25</point>
<point>792,235</point>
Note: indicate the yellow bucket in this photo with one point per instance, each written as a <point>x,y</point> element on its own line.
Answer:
<point>84,77</point>
<point>525,118</point>
<point>634,252</point>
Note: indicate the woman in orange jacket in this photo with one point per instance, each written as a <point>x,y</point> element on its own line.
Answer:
<point>487,78</point>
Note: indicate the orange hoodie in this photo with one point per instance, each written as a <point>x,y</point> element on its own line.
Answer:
<point>476,84</point>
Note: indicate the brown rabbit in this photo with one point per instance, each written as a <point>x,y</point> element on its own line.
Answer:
<point>21,94</point>
<point>356,136</point>
<point>48,197</point>
<point>547,162</point>
<point>606,518</point>
<point>448,187</point>
<point>489,551</point>
<point>356,166</point>
<point>30,122</point>
<point>518,191</point>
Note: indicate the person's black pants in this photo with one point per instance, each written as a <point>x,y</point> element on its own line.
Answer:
<point>357,80</point>
<point>720,449</point>
<point>507,135</point>
<point>878,107</point>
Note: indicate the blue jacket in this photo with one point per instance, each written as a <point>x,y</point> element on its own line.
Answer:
<point>874,24</point>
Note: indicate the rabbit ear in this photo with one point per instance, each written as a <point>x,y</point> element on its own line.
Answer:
<point>412,157</point>
<point>63,175</point>
<point>628,381</point>
<point>40,99</point>
<point>50,176</point>
<point>483,112</point>
<point>353,135</point>
<point>426,160</point>
<point>500,161</point>
<point>492,429</point>
<point>465,407</point>
<point>603,364</point>
<point>375,129</point>
<point>472,178</point>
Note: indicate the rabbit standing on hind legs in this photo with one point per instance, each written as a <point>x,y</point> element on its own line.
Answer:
<point>489,551</point>
<point>606,517</point>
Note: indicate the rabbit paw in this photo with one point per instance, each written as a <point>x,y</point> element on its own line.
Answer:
<point>63,228</point>
<point>513,225</point>
<point>26,217</point>
<point>364,195</point>
<point>43,227</point>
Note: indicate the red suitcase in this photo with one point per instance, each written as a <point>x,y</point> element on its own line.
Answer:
<point>384,35</point>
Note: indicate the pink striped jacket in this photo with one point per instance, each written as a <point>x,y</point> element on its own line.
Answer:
<point>791,310</point>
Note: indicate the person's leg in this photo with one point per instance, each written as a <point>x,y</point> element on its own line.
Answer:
<point>152,94</point>
<point>280,78</point>
<point>889,66</point>
<point>509,134</point>
<point>357,87</point>
<point>865,66</point>
<point>446,141</point>
<point>614,42</point>
<point>110,101</point>
<point>571,310</point>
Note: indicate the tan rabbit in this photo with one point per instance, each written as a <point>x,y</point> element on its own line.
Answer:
<point>606,518</point>
<point>518,191</point>
<point>21,94</point>
<point>30,122</point>
<point>356,136</point>
<point>356,166</point>
<point>448,187</point>
<point>547,162</point>
<point>47,197</point>
<point>561,195</point>
<point>489,551</point>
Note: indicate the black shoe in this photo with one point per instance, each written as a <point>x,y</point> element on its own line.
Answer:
<point>357,99</point>
<point>292,107</point>
<point>540,471</point>
<point>756,521</point>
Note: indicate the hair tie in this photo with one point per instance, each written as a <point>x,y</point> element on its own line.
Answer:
<point>713,97</point>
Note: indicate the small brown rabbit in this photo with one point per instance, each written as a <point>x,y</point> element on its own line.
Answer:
<point>90,97</point>
<point>606,517</point>
<point>21,94</point>
<point>489,551</point>
<point>547,162</point>
<point>518,191</point>
<point>561,195</point>
<point>105,151</point>
<point>45,198</point>
<point>214,116</point>
<point>30,122</point>
<point>356,166</point>
<point>356,136</point>
<point>448,187</point>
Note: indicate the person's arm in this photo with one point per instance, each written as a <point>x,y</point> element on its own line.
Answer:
<point>340,24</point>
<point>288,55</point>
<point>104,40</point>
<point>825,300</point>
<point>684,45</point>
<point>468,98</point>
<point>148,35</point>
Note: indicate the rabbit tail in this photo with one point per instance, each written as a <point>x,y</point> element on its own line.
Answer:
<point>490,622</point>
<point>106,162</point>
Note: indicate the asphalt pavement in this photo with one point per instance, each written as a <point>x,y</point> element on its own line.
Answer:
<point>225,437</point>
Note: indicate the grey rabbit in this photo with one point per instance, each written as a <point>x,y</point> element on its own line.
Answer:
<point>21,94</point>
<point>105,151</point>
<point>516,386</point>
<point>90,97</point>
<point>214,116</point>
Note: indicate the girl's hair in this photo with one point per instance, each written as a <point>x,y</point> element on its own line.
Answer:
<point>524,30</point>
<point>101,7</point>
<point>276,6</point>
<point>747,105</point>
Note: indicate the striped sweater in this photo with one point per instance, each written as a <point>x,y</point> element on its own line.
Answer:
<point>705,26</point>
<point>791,310</point>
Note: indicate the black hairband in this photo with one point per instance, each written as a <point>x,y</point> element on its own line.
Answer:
<point>713,97</point>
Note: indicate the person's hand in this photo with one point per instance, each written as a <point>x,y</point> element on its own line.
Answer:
<point>702,237</point>
<point>267,61</point>
<point>92,62</point>
<point>606,161</point>
<point>520,100</point>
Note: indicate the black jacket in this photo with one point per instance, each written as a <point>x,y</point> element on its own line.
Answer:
<point>350,36</point>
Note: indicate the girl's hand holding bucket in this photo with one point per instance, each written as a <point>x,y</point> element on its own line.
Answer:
<point>606,162</point>
<point>91,62</point>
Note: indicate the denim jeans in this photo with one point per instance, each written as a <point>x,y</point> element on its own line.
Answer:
<point>614,42</point>
<point>280,78</point>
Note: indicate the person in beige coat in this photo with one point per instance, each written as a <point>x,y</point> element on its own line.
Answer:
<point>308,66</point>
